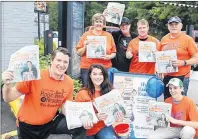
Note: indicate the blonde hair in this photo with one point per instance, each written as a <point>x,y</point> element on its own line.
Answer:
<point>98,16</point>
<point>143,22</point>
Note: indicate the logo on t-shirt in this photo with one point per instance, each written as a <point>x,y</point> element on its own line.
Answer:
<point>123,43</point>
<point>52,98</point>
<point>171,46</point>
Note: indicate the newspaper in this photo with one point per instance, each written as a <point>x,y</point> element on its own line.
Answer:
<point>96,46</point>
<point>114,12</point>
<point>157,112</point>
<point>147,51</point>
<point>24,64</point>
<point>76,112</point>
<point>110,103</point>
<point>164,61</point>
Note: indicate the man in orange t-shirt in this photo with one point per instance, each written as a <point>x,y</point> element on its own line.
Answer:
<point>187,52</point>
<point>38,115</point>
<point>99,22</point>
<point>184,115</point>
<point>133,50</point>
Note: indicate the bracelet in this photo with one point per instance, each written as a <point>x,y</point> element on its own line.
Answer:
<point>185,63</point>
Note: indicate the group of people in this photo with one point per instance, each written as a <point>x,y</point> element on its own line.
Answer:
<point>123,50</point>
<point>38,117</point>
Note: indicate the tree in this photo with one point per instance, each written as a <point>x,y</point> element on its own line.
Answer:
<point>91,8</point>
<point>53,15</point>
<point>157,14</point>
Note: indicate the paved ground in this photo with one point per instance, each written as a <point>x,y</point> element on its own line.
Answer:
<point>8,123</point>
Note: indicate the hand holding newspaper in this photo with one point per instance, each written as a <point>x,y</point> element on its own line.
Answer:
<point>78,112</point>
<point>157,113</point>
<point>164,61</point>
<point>24,64</point>
<point>110,103</point>
<point>114,12</point>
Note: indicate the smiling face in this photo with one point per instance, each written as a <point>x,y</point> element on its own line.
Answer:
<point>175,91</point>
<point>59,64</point>
<point>97,77</point>
<point>125,28</point>
<point>174,27</point>
<point>142,30</point>
<point>98,24</point>
<point>98,21</point>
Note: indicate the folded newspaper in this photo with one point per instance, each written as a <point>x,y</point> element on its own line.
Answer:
<point>76,112</point>
<point>24,64</point>
<point>164,61</point>
<point>96,46</point>
<point>114,12</point>
<point>110,103</point>
<point>157,112</point>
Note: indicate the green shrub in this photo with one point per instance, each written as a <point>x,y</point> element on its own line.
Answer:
<point>77,86</point>
<point>44,61</point>
<point>41,45</point>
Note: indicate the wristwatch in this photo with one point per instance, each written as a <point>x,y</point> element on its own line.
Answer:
<point>185,63</point>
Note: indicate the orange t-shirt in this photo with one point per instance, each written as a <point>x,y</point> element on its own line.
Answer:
<point>141,67</point>
<point>43,98</point>
<point>85,62</point>
<point>185,47</point>
<point>83,96</point>
<point>185,110</point>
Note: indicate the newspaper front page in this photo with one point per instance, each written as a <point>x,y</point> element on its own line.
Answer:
<point>24,64</point>
<point>114,12</point>
<point>96,46</point>
<point>157,112</point>
<point>110,103</point>
<point>147,51</point>
<point>76,112</point>
<point>164,61</point>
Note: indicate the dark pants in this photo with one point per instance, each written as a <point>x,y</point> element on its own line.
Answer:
<point>56,126</point>
<point>84,74</point>
<point>166,80</point>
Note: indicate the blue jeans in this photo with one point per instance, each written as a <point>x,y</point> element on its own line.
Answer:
<point>84,74</point>
<point>105,133</point>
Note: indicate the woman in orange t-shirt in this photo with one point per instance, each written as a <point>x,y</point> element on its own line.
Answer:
<point>101,54</point>
<point>98,84</point>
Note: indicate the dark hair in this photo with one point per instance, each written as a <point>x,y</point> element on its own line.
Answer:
<point>29,62</point>
<point>60,49</point>
<point>106,85</point>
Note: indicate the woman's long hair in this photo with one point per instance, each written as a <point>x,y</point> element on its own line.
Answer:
<point>105,86</point>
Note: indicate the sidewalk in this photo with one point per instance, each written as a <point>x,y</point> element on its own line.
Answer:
<point>8,124</point>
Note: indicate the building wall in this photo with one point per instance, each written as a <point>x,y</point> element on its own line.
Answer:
<point>17,28</point>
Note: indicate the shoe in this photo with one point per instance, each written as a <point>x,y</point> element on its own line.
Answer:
<point>8,137</point>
